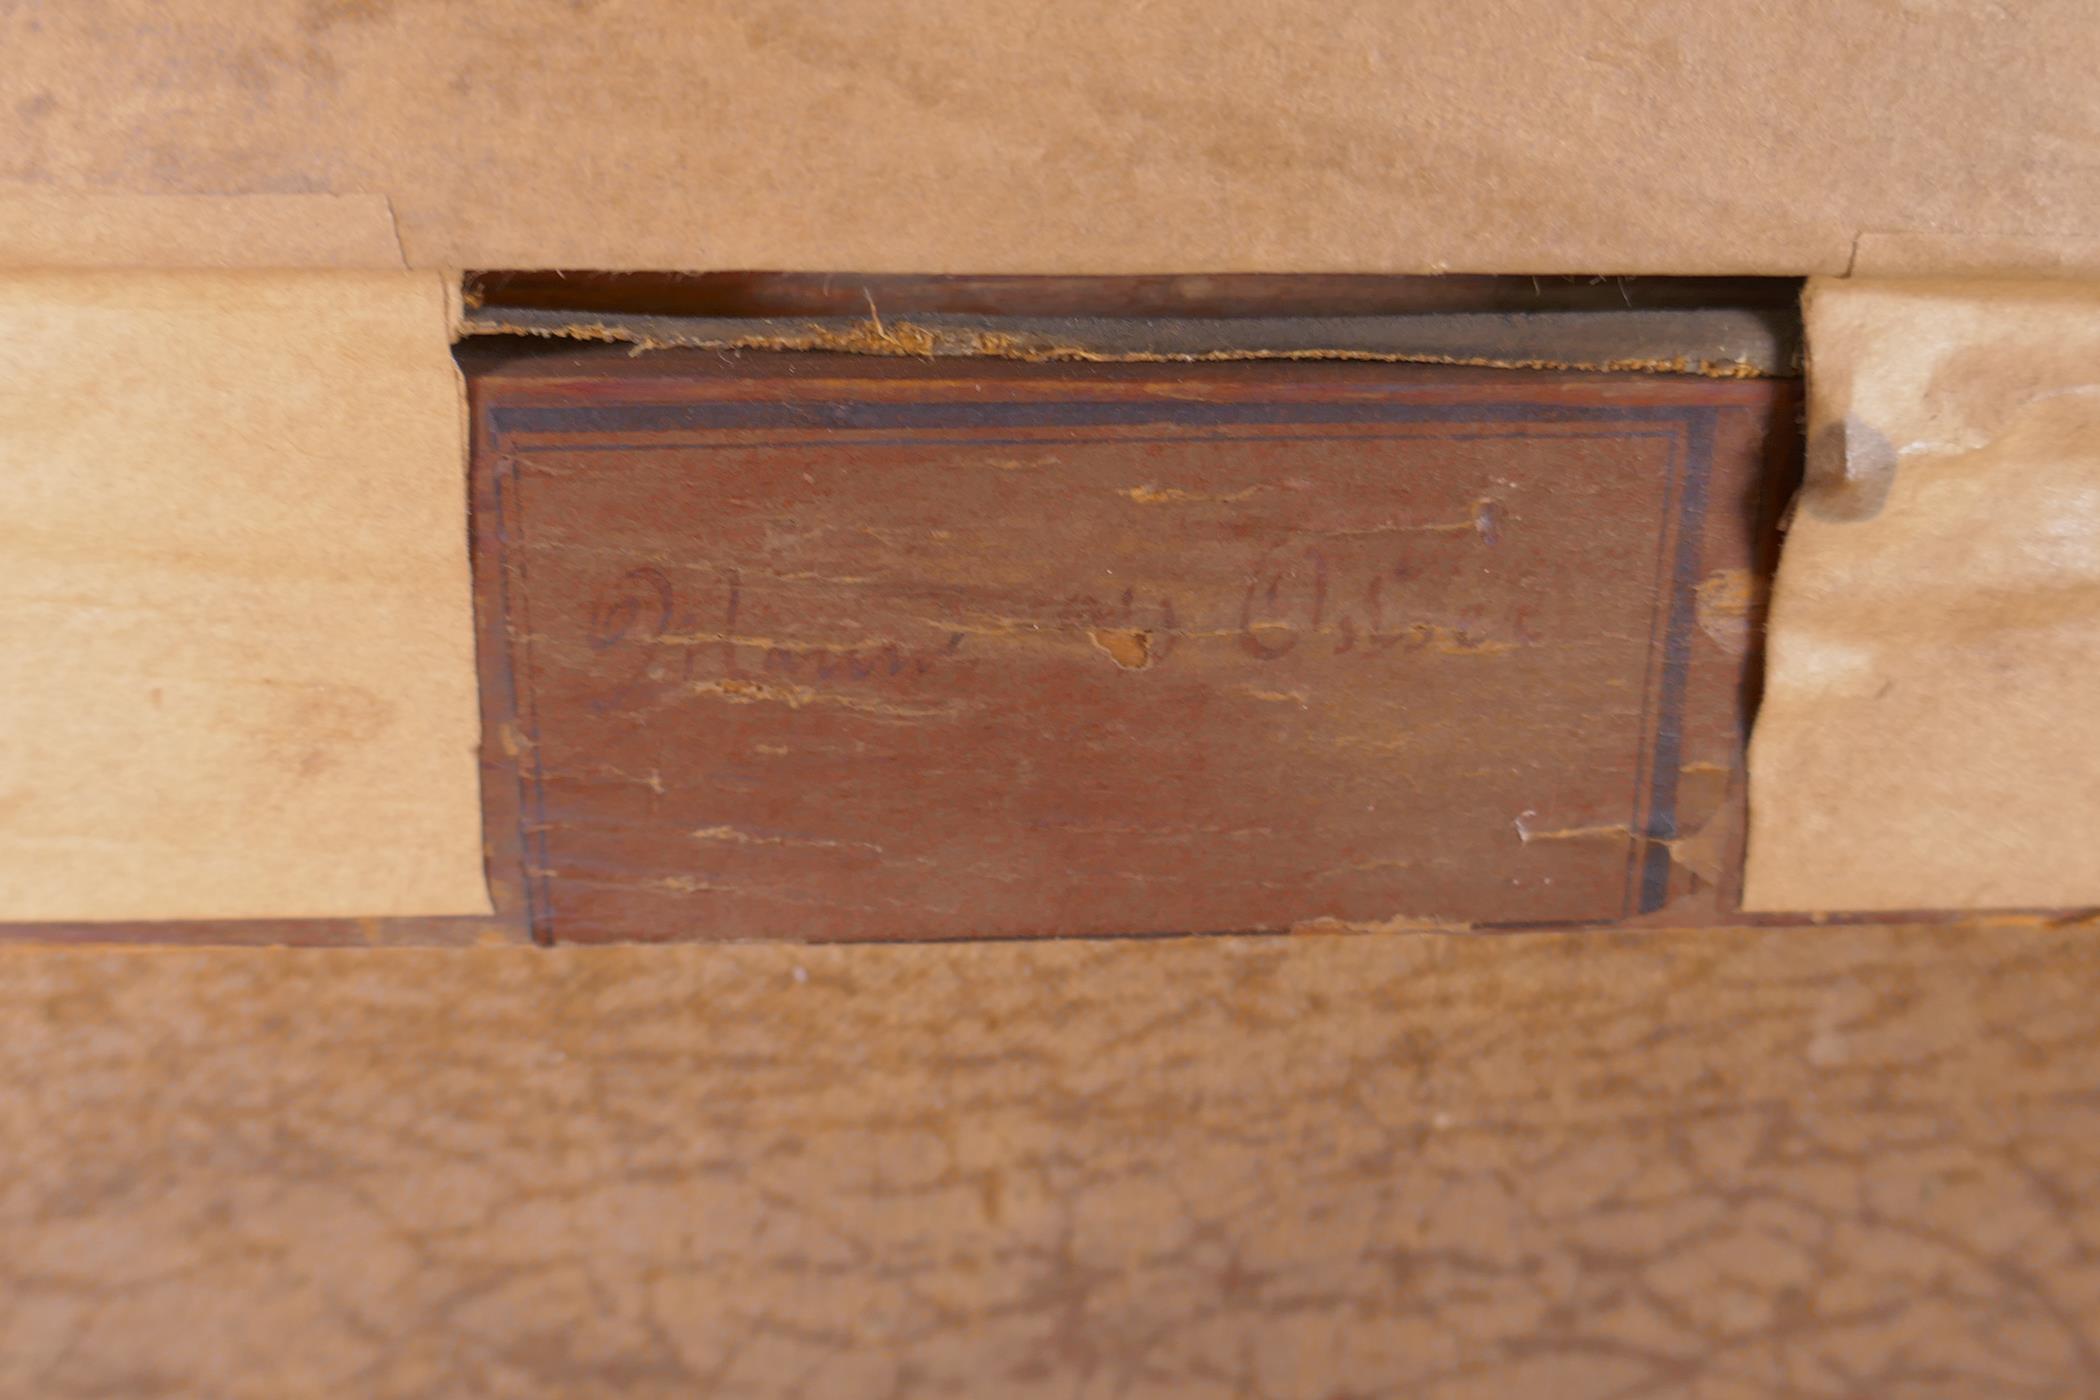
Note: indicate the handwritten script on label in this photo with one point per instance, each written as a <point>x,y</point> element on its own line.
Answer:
<point>1296,599</point>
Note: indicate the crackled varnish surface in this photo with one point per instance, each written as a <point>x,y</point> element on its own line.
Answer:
<point>1818,1163</point>
<point>821,648</point>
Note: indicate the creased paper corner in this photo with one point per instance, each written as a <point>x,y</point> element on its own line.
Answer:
<point>1929,735</point>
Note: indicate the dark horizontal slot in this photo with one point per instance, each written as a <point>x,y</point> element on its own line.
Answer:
<point>802,294</point>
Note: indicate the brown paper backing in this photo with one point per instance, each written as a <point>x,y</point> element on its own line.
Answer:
<point>176,231</point>
<point>1094,137</point>
<point>1927,737</point>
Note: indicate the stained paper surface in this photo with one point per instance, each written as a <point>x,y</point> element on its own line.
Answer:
<point>64,230</point>
<point>1930,732</point>
<point>236,643</point>
<point>1088,136</point>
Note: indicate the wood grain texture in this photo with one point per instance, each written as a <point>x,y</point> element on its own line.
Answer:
<point>1835,1162</point>
<point>502,865</point>
<point>824,647</point>
<point>237,672</point>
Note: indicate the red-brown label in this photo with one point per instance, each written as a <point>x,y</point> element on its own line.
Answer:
<point>894,653</point>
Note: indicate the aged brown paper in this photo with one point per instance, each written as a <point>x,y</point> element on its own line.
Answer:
<point>56,230</point>
<point>236,642</point>
<point>1930,732</point>
<point>1966,255</point>
<point>1088,136</point>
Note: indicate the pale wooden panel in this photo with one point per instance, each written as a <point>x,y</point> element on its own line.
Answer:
<point>236,630</point>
